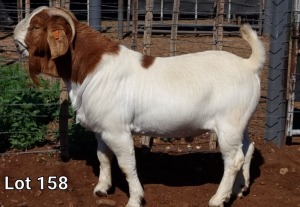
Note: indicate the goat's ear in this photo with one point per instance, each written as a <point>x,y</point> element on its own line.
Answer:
<point>58,42</point>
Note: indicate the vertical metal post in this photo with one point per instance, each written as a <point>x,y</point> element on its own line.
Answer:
<point>196,11</point>
<point>175,17</point>
<point>95,14</point>
<point>120,18</point>
<point>278,59</point>
<point>161,11</point>
<point>128,15</point>
<point>267,17</point>
<point>229,11</point>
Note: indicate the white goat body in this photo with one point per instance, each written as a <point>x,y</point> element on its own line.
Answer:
<point>174,97</point>
<point>128,93</point>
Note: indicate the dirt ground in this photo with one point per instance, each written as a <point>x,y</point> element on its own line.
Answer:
<point>171,175</point>
<point>169,180</point>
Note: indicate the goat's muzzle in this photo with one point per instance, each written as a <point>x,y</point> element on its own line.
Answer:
<point>21,48</point>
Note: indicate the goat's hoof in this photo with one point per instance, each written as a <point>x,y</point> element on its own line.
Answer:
<point>220,205</point>
<point>100,194</point>
<point>240,191</point>
<point>133,204</point>
<point>215,202</point>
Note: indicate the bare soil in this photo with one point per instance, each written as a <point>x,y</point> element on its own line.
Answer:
<point>169,180</point>
<point>177,174</point>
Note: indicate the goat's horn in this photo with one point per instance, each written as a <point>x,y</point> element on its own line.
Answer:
<point>68,16</point>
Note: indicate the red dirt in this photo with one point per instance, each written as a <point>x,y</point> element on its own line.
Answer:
<point>187,180</point>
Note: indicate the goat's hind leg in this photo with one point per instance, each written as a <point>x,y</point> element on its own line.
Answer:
<point>104,155</point>
<point>230,142</point>
<point>242,181</point>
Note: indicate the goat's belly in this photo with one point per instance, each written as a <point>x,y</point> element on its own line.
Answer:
<point>167,133</point>
<point>167,129</point>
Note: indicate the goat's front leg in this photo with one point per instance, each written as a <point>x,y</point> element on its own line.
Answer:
<point>104,155</point>
<point>123,147</point>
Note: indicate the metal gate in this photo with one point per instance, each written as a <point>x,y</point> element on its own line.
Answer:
<point>293,81</point>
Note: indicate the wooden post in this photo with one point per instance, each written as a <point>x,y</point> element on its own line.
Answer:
<point>63,111</point>
<point>146,141</point>
<point>27,7</point>
<point>65,4</point>
<point>217,45</point>
<point>63,122</point>
<point>174,27</point>
<point>19,8</point>
<point>218,27</point>
<point>134,24</point>
<point>148,27</point>
<point>54,3</point>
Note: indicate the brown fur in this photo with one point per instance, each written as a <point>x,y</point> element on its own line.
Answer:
<point>147,61</point>
<point>88,50</point>
<point>84,53</point>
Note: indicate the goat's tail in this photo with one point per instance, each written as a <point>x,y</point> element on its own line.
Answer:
<point>258,55</point>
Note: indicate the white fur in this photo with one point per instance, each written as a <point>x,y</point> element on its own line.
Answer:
<point>174,97</point>
<point>21,30</point>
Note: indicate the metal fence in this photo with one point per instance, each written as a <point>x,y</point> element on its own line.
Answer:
<point>152,27</point>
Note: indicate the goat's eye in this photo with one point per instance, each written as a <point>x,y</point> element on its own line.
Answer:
<point>36,26</point>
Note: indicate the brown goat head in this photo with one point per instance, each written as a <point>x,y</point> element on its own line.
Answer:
<point>49,38</point>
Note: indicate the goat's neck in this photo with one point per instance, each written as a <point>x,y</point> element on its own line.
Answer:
<point>87,51</point>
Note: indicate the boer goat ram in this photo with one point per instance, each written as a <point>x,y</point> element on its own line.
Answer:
<point>117,92</point>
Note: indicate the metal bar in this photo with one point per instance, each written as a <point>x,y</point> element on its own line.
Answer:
<point>295,132</point>
<point>120,18</point>
<point>278,59</point>
<point>95,14</point>
<point>291,81</point>
<point>267,17</point>
<point>161,11</point>
<point>162,31</point>
<point>128,15</point>
<point>229,11</point>
<point>196,11</point>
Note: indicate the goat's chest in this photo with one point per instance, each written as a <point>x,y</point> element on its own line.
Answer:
<point>97,105</point>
